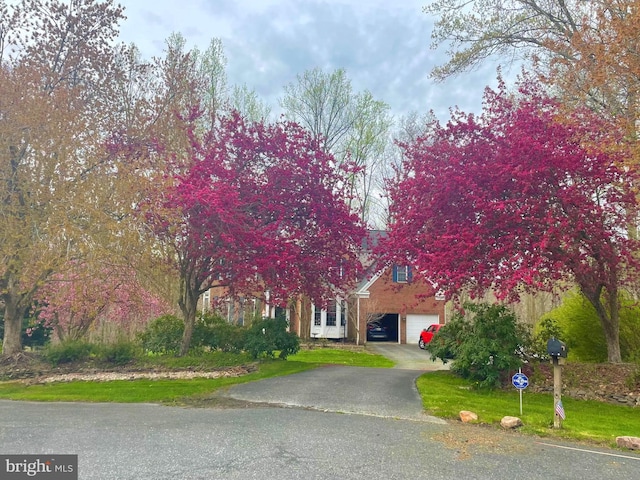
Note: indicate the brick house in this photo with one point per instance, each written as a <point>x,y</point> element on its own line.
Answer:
<point>387,295</point>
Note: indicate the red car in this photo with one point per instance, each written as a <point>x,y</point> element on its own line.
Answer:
<point>427,335</point>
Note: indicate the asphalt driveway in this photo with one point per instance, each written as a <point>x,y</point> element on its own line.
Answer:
<point>381,392</point>
<point>407,357</point>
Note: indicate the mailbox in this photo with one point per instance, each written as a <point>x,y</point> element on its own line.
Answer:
<point>556,348</point>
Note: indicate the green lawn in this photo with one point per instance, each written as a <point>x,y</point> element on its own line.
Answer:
<point>445,395</point>
<point>172,391</point>
<point>141,391</point>
<point>342,357</point>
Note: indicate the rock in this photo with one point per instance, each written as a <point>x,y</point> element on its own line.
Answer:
<point>467,416</point>
<point>632,443</point>
<point>510,422</point>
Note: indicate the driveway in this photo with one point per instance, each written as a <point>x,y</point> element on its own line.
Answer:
<point>381,392</point>
<point>407,357</point>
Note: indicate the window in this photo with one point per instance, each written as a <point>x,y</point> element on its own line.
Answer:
<point>206,301</point>
<point>343,313</point>
<point>401,274</point>
<point>317,316</point>
<point>332,313</point>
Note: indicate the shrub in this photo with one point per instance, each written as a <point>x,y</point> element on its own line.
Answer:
<point>119,353</point>
<point>447,340</point>
<point>547,328</point>
<point>204,330</point>
<point>268,335</point>
<point>486,342</point>
<point>230,338</point>
<point>163,335</point>
<point>35,332</point>
<point>581,329</point>
<point>69,351</point>
<point>215,332</point>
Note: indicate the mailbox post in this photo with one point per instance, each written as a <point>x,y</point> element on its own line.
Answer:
<point>557,350</point>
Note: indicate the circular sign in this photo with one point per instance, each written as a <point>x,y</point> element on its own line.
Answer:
<point>520,381</point>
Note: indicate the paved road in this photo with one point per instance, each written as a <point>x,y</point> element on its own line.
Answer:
<point>116,442</point>
<point>341,423</point>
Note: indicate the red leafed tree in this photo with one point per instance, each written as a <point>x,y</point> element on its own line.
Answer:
<point>522,197</point>
<point>259,209</point>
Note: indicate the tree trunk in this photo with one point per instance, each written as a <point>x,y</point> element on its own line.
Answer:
<point>611,328</point>
<point>13,315</point>
<point>610,321</point>
<point>188,306</point>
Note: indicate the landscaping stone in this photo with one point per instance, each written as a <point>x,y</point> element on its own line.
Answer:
<point>467,416</point>
<point>510,422</point>
<point>632,443</point>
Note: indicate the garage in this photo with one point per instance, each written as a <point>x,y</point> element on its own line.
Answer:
<point>416,323</point>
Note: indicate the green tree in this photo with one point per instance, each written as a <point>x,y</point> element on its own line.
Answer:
<point>353,127</point>
<point>579,326</point>
<point>57,59</point>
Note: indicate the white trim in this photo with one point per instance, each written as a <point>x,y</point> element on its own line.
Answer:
<point>336,331</point>
<point>364,291</point>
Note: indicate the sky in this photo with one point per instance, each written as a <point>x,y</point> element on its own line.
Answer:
<point>383,45</point>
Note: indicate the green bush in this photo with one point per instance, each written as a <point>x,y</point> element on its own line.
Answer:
<point>269,335</point>
<point>446,342</point>
<point>69,351</point>
<point>547,328</point>
<point>582,332</point>
<point>163,335</point>
<point>230,338</point>
<point>216,333</point>
<point>35,332</point>
<point>204,330</point>
<point>118,353</point>
<point>486,343</point>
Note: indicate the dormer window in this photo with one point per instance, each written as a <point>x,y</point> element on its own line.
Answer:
<point>401,274</point>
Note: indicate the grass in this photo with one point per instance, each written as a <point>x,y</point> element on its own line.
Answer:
<point>445,395</point>
<point>207,360</point>
<point>142,391</point>
<point>325,356</point>
<point>178,391</point>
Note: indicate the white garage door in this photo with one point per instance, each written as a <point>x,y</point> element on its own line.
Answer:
<point>416,323</point>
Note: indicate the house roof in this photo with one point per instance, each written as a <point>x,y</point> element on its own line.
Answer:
<point>372,269</point>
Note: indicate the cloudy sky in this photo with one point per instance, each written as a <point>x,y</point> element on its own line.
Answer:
<point>383,45</point>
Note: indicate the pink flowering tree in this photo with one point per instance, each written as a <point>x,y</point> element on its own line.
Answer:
<point>523,197</point>
<point>76,301</point>
<point>259,209</point>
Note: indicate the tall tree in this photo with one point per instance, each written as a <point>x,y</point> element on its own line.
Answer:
<point>476,30</point>
<point>353,127</point>
<point>322,103</point>
<point>258,212</point>
<point>74,302</point>
<point>520,199</point>
<point>248,104</point>
<point>53,84</point>
<point>587,49</point>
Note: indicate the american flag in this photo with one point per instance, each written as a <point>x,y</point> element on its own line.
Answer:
<point>560,409</point>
